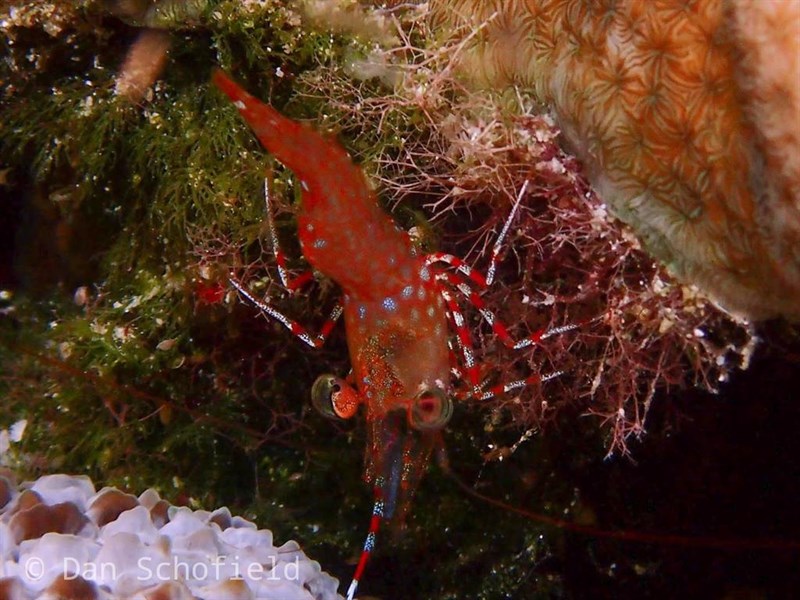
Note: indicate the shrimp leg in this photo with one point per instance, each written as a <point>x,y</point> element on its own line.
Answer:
<point>290,284</point>
<point>315,340</point>
<point>499,328</point>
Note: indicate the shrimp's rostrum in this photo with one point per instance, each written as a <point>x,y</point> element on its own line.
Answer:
<point>397,306</point>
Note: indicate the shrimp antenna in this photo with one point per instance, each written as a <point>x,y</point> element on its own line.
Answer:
<point>369,542</point>
<point>498,244</point>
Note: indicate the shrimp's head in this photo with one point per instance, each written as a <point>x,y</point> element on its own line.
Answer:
<point>403,429</point>
<point>401,436</point>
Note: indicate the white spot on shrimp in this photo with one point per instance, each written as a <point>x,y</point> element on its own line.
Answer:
<point>362,312</point>
<point>310,227</point>
<point>390,304</point>
<point>240,105</point>
<point>425,273</point>
<point>408,291</point>
<point>392,260</point>
<point>319,243</point>
<point>421,293</point>
<point>431,311</point>
<point>303,184</point>
<point>414,314</point>
<point>469,358</point>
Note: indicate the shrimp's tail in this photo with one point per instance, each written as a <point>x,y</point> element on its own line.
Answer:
<point>298,147</point>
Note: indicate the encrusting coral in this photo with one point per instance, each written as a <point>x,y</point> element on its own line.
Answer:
<point>59,538</point>
<point>687,115</point>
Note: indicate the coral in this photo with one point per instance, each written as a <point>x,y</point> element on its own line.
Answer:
<point>62,539</point>
<point>673,107</point>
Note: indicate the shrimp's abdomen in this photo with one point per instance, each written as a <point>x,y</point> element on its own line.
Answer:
<point>343,232</point>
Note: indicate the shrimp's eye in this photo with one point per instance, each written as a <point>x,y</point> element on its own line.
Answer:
<point>333,397</point>
<point>430,409</point>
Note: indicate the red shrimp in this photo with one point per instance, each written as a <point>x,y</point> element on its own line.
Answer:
<point>394,313</point>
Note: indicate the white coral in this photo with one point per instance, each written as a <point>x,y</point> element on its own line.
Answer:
<point>139,553</point>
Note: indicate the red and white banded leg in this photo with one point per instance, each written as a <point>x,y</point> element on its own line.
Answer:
<point>315,340</point>
<point>459,264</point>
<point>292,284</point>
<point>499,328</point>
<point>463,339</point>
<point>369,542</point>
<point>478,390</point>
<point>504,388</point>
<point>503,232</point>
<point>462,267</point>
<point>460,281</point>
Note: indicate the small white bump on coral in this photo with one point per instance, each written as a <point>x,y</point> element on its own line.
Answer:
<point>61,539</point>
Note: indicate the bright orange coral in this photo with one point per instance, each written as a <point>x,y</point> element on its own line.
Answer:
<point>687,116</point>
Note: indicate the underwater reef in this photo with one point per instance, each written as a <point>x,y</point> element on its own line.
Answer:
<point>131,191</point>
